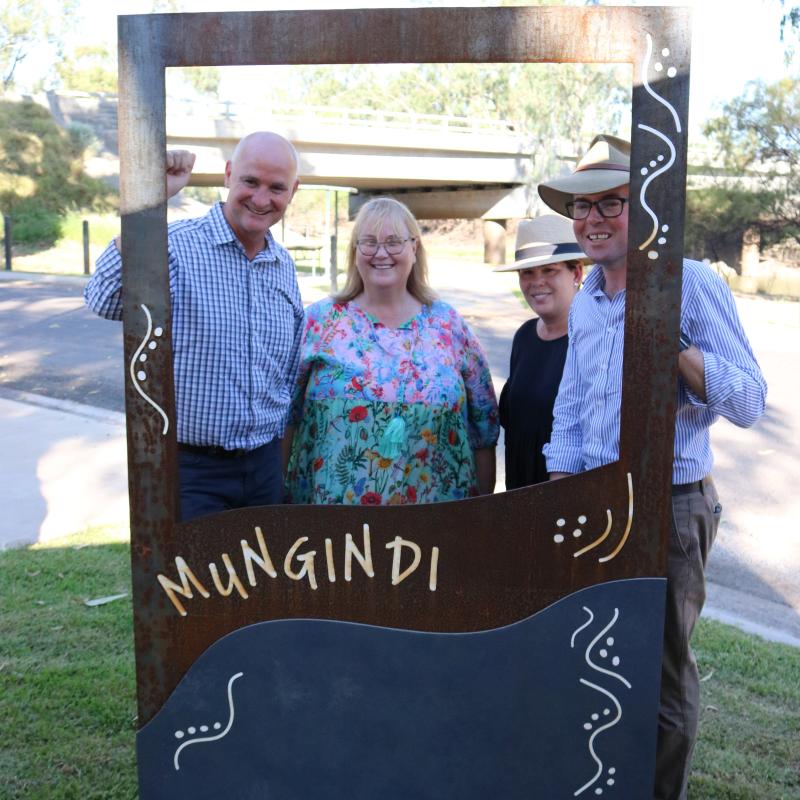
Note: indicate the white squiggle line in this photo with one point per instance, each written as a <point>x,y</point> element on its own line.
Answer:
<point>628,525</point>
<point>588,622</point>
<point>650,179</point>
<point>598,732</point>
<point>219,735</point>
<point>645,67</point>
<point>133,371</point>
<point>599,540</point>
<point>595,641</point>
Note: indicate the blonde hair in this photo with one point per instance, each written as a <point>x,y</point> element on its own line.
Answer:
<point>372,215</point>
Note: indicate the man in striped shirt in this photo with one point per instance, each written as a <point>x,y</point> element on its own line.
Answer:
<point>237,322</point>
<point>718,376</point>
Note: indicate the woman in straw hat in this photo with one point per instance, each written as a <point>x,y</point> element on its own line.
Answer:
<point>394,402</point>
<point>550,267</point>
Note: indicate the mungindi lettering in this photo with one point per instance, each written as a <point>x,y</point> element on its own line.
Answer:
<point>233,578</point>
<point>308,563</point>
<point>186,575</point>
<point>434,573</point>
<point>263,560</point>
<point>364,559</point>
<point>329,560</point>
<point>397,545</point>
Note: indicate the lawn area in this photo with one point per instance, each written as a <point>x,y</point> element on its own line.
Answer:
<point>66,256</point>
<point>67,696</point>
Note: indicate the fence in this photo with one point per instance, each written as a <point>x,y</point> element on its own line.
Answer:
<point>8,241</point>
<point>305,256</point>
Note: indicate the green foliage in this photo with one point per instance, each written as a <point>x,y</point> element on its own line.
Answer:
<point>21,26</point>
<point>790,31</point>
<point>26,25</point>
<point>757,137</point>
<point>716,218</point>
<point>204,80</point>
<point>556,106</point>
<point>203,194</point>
<point>41,172</point>
<point>88,69</point>
<point>32,224</point>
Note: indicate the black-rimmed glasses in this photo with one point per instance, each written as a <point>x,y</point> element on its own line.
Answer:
<point>369,245</point>
<point>608,207</point>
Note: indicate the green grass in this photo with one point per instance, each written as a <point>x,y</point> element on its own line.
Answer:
<point>102,228</point>
<point>67,695</point>
<point>749,745</point>
<point>66,256</point>
<point>67,698</point>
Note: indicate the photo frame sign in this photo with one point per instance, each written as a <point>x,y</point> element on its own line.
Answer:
<point>506,645</point>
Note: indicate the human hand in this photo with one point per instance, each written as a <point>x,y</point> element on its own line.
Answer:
<point>179,168</point>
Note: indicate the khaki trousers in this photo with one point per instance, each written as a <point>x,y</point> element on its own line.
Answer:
<point>695,519</point>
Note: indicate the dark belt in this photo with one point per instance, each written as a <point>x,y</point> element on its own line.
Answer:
<point>687,488</point>
<point>211,450</point>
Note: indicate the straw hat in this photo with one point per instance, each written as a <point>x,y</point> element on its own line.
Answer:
<point>544,240</point>
<point>604,166</point>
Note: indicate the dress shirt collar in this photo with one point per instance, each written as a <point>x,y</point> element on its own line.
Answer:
<point>222,233</point>
<point>595,284</point>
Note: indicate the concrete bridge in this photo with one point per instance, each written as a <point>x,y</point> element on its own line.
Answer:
<point>442,167</point>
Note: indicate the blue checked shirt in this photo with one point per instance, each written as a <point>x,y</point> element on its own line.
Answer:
<point>586,414</point>
<point>236,331</point>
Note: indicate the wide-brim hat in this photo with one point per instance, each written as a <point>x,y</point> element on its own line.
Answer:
<point>544,240</point>
<point>604,166</point>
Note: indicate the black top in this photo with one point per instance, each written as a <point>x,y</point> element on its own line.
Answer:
<point>526,403</point>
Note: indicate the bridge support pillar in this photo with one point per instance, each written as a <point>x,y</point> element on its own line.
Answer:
<point>494,241</point>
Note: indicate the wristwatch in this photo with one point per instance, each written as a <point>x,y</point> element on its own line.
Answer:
<point>684,342</point>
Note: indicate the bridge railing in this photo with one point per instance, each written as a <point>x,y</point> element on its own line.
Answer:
<point>348,117</point>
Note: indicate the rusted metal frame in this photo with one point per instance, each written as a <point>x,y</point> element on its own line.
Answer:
<point>509,34</point>
<point>152,466</point>
<point>659,138</point>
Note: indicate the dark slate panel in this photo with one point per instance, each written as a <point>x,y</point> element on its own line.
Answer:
<point>562,704</point>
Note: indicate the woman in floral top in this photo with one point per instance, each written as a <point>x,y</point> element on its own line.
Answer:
<point>394,402</point>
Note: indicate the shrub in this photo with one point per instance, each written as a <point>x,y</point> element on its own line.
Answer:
<point>32,224</point>
<point>41,172</point>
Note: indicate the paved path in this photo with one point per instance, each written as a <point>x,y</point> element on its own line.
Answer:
<point>61,400</point>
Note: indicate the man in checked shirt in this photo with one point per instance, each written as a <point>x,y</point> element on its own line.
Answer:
<point>718,376</point>
<point>236,328</point>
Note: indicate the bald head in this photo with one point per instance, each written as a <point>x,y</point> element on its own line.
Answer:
<point>266,144</point>
<point>261,178</point>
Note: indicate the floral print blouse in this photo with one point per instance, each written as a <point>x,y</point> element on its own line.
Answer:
<point>356,376</point>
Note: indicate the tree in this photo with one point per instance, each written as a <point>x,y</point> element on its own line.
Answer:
<point>790,29</point>
<point>758,139</point>
<point>204,80</point>
<point>90,68</point>
<point>41,172</point>
<point>558,108</point>
<point>23,25</point>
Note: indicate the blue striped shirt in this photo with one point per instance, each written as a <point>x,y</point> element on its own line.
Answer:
<point>586,414</point>
<point>236,331</point>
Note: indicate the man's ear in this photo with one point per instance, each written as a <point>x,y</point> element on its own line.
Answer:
<point>227,182</point>
<point>294,189</point>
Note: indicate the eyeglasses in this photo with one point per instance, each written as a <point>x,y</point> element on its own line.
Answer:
<point>608,207</point>
<point>393,245</point>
